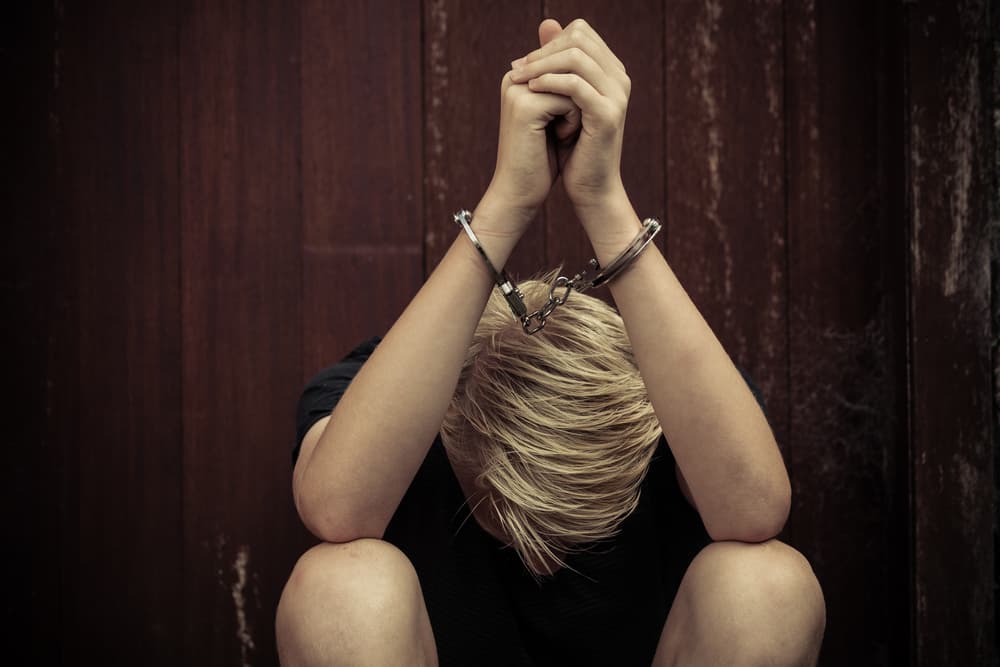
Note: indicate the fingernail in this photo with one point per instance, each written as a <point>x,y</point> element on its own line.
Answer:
<point>520,62</point>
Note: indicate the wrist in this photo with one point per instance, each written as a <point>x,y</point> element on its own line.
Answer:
<point>611,224</point>
<point>498,228</point>
<point>496,216</point>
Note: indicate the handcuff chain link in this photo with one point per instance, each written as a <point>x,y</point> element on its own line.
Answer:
<point>567,285</point>
<point>535,321</point>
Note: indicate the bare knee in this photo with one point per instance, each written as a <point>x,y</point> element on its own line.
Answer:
<point>764,599</point>
<point>770,570</point>
<point>342,599</point>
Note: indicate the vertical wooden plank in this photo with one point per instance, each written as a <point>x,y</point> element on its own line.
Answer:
<point>241,283</point>
<point>38,294</point>
<point>894,285</point>
<point>843,358</point>
<point>467,50</point>
<point>361,181</point>
<point>118,136</point>
<point>725,181</point>
<point>951,135</point>
<point>634,31</point>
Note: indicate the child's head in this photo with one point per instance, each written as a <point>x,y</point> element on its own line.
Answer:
<point>556,427</point>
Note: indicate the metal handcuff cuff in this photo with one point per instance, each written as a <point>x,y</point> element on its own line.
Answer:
<point>560,289</point>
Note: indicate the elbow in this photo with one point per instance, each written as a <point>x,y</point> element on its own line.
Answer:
<point>760,521</point>
<point>319,515</point>
<point>314,518</point>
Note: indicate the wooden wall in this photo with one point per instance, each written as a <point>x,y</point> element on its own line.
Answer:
<point>208,201</point>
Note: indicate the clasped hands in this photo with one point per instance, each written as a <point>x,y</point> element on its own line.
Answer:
<point>562,113</point>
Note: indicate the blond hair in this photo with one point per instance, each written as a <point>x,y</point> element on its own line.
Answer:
<point>556,427</point>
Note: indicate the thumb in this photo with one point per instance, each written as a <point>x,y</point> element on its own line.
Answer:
<point>548,30</point>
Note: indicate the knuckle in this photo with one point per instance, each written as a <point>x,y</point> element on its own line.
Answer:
<point>521,105</point>
<point>613,112</point>
<point>619,112</point>
<point>585,43</point>
<point>505,84</point>
<point>540,80</point>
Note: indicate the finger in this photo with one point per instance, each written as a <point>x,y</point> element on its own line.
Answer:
<point>571,86</point>
<point>580,35</point>
<point>539,108</point>
<point>505,82</point>
<point>569,124</point>
<point>571,61</point>
<point>588,29</point>
<point>548,30</point>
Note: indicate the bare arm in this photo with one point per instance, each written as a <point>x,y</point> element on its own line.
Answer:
<point>350,477</point>
<point>349,483</point>
<point>721,441</point>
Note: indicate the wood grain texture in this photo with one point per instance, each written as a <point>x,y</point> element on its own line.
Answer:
<point>467,51</point>
<point>210,201</point>
<point>842,392</point>
<point>241,249</point>
<point>361,181</point>
<point>951,135</point>
<point>119,149</point>
<point>725,181</point>
<point>634,32</point>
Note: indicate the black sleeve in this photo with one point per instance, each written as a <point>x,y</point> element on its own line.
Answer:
<point>323,392</point>
<point>755,390</point>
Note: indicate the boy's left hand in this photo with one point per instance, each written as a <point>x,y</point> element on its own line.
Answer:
<point>575,62</point>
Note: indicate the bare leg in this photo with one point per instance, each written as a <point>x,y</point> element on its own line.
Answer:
<point>357,603</point>
<point>745,605</point>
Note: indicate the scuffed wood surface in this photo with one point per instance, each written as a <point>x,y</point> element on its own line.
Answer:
<point>842,393</point>
<point>724,180</point>
<point>241,318</point>
<point>213,200</point>
<point>951,191</point>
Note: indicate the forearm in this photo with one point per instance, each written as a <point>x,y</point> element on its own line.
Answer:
<point>717,432</point>
<point>380,431</point>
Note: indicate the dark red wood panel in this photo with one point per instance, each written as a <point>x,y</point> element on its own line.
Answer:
<point>361,179</point>
<point>241,294</point>
<point>209,201</point>
<point>634,31</point>
<point>951,189</point>
<point>468,48</point>
<point>843,391</point>
<point>117,134</point>
<point>725,181</point>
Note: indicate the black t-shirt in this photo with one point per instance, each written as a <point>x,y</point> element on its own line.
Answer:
<point>486,609</point>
